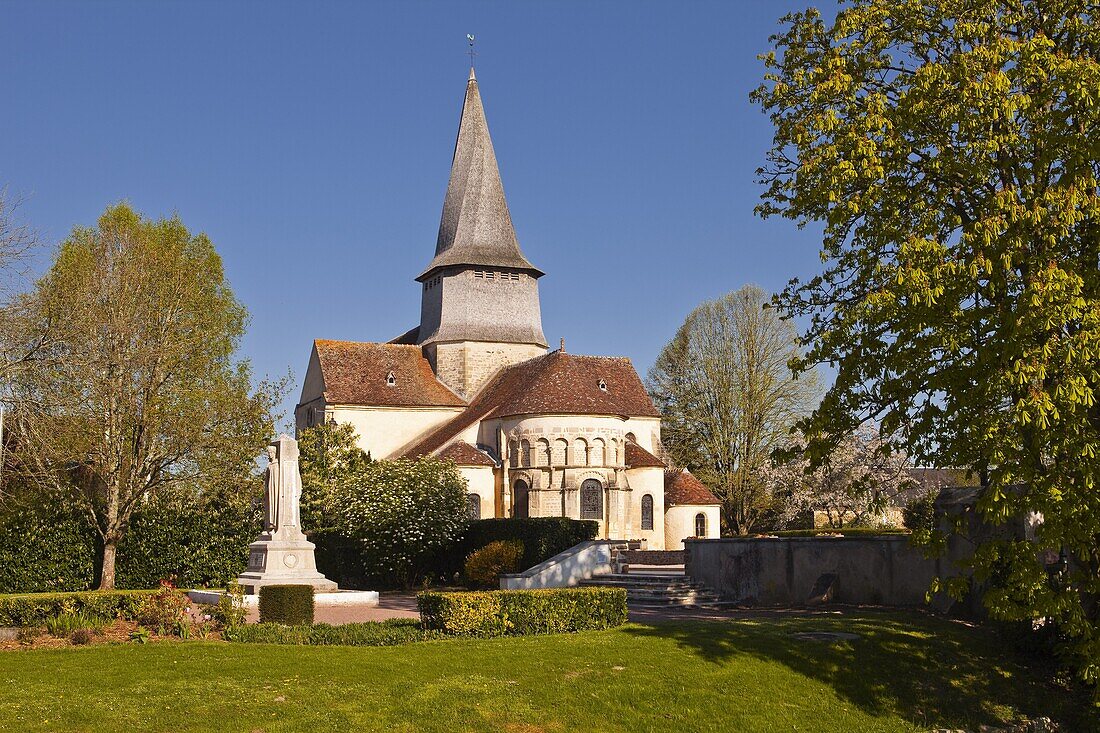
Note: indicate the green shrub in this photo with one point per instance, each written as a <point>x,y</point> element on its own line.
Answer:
<point>393,632</point>
<point>920,513</point>
<point>193,544</point>
<point>523,612</point>
<point>64,624</point>
<point>485,566</point>
<point>163,608</point>
<point>286,604</point>
<point>542,538</point>
<point>230,609</point>
<point>45,549</point>
<point>32,609</point>
<point>80,637</point>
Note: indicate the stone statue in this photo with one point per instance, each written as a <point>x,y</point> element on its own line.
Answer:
<point>282,554</point>
<point>271,490</point>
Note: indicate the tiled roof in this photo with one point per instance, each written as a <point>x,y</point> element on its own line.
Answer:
<point>356,373</point>
<point>412,336</point>
<point>464,454</point>
<point>639,457</point>
<point>476,228</point>
<point>683,488</point>
<point>555,384</point>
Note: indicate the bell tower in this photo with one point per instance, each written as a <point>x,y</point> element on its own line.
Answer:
<point>480,298</point>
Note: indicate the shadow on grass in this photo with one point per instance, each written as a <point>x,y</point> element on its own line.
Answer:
<point>932,672</point>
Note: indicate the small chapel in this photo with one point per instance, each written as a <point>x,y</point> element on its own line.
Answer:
<point>536,433</point>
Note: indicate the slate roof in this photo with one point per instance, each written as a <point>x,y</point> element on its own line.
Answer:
<point>681,488</point>
<point>554,384</point>
<point>476,227</point>
<point>355,373</point>
<point>639,457</point>
<point>464,454</point>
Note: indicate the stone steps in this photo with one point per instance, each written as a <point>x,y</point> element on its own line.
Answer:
<point>655,589</point>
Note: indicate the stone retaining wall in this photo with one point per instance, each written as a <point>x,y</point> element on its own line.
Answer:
<point>794,571</point>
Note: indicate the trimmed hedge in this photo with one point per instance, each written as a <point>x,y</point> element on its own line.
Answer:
<point>46,550</point>
<point>286,604</point>
<point>33,609</point>
<point>341,559</point>
<point>393,632</point>
<point>522,612</point>
<point>542,538</point>
<point>194,545</point>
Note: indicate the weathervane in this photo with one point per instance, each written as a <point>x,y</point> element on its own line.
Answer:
<point>472,52</point>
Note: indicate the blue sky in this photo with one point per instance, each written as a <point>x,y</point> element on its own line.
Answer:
<point>312,142</point>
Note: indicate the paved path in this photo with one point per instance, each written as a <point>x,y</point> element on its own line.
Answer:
<point>402,604</point>
<point>390,605</point>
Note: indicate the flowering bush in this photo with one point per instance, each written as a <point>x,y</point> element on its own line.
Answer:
<point>164,608</point>
<point>400,513</point>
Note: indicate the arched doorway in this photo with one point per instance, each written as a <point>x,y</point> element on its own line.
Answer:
<point>591,499</point>
<point>521,499</point>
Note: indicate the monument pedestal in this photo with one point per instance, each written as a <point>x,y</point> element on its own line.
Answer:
<point>282,560</point>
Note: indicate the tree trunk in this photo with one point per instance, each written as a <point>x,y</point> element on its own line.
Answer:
<point>107,569</point>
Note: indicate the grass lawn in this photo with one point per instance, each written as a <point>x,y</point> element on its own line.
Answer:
<point>904,673</point>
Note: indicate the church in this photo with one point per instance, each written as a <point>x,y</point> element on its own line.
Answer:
<point>536,433</point>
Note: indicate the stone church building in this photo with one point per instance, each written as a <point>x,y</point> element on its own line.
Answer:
<point>535,433</point>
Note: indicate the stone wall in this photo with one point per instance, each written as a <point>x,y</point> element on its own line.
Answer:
<point>796,571</point>
<point>465,367</point>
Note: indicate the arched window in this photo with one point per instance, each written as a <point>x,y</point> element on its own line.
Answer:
<point>524,453</point>
<point>580,452</point>
<point>561,446</point>
<point>700,525</point>
<point>513,453</point>
<point>542,452</point>
<point>473,506</point>
<point>591,499</point>
<point>597,456</point>
<point>647,511</point>
<point>521,498</point>
<point>630,438</point>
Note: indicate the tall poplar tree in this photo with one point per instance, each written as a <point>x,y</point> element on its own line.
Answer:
<point>951,152</point>
<point>142,391</point>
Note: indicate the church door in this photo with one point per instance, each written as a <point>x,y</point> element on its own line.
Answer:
<point>521,500</point>
<point>591,499</point>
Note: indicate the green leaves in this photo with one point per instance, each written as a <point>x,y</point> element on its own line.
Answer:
<point>960,297</point>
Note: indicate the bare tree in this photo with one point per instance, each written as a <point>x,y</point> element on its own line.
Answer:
<point>729,399</point>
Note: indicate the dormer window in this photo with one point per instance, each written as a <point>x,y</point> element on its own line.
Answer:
<point>391,381</point>
<point>602,385</point>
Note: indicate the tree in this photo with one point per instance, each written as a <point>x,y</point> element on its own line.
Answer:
<point>855,483</point>
<point>401,513</point>
<point>329,456</point>
<point>141,392</point>
<point>728,398</point>
<point>949,151</point>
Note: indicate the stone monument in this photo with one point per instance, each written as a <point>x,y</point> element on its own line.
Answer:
<point>282,555</point>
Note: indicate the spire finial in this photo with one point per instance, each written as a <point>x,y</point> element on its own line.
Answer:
<point>472,53</point>
<point>562,348</point>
